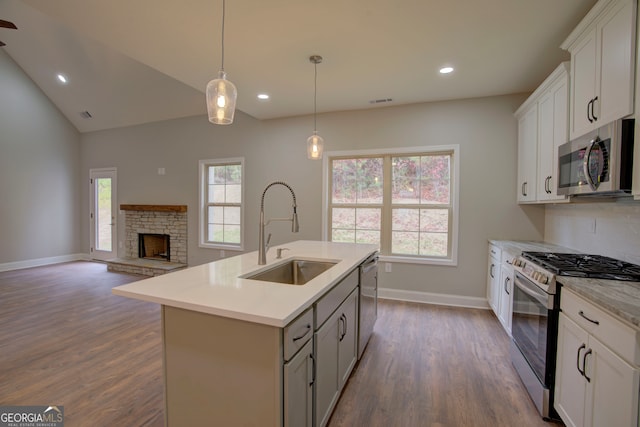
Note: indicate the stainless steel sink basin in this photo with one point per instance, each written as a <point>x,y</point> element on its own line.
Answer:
<point>293,272</point>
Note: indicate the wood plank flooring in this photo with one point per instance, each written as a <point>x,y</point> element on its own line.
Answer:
<point>66,340</point>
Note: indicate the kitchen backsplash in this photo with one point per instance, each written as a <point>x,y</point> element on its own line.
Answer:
<point>608,228</point>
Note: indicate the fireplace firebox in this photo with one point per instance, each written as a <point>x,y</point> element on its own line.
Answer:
<point>154,246</point>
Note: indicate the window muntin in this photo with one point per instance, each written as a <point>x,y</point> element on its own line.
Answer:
<point>222,203</point>
<point>401,201</point>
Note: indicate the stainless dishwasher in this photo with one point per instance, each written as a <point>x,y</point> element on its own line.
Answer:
<point>368,300</point>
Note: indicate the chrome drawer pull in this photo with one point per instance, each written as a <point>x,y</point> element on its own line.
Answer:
<point>581,313</point>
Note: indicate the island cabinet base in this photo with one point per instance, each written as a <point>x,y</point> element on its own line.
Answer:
<point>220,371</point>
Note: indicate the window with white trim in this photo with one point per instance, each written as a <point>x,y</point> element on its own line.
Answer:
<point>222,203</point>
<point>403,200</point>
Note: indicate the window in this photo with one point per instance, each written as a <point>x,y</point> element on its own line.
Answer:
<point>222,203</point>
<point>403,200</point>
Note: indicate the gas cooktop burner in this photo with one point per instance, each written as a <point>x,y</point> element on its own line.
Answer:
<point>580,265</point>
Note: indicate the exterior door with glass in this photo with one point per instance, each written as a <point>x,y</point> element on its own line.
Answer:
<point>102,213</point>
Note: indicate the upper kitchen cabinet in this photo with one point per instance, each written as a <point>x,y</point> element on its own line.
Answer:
<point>542,128</point>
<point>602,51</point>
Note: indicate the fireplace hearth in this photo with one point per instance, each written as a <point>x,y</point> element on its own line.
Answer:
<point>154,246</point>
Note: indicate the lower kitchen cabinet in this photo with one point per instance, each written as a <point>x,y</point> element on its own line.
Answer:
<point>493,278</point>
<point>336,354</point>
<point>594,385</point>
<point>506,297</point>
<point>298,388</point>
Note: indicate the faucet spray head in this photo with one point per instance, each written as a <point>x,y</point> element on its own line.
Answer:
<point>295,226</point>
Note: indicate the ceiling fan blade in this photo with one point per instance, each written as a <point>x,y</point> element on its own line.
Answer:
<point>2,44</point>
<point>7,24</point>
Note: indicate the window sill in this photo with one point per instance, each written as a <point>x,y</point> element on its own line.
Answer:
<point>221,247</point>
<point>414,260</point>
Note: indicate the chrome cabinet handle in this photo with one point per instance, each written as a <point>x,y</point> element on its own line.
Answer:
<point>584,364</point>
<point>582,347</point>
<point>593,114</point>
<point>506,283</point>
<point>584,316</point>
<point>303,335</point>
<point>589,105</point>
<point>491,271</point>
<point>313,369</point>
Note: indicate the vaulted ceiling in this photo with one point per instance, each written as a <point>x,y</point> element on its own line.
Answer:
<point>131,62</point>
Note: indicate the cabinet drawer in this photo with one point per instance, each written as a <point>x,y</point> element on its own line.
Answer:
<point>297,333</point>
<point>330,302</point>
<point>495,252</point>
<point>621,338</point>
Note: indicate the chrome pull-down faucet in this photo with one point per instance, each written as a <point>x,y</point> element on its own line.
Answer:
<point>295,226</point>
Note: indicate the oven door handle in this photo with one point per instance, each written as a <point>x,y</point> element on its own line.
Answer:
<point>541,297</point>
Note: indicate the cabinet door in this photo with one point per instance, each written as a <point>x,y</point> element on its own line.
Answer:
<point>616,40</point>
<point>493,284</point>
<point>527,155</point>
<point>553,115</point>
<point>570,388</point>
<point>298,388</point>
<point>327,386</point>
<point>612,392</point>
<point>348,338</point>
<point>583,84</point>
<point>506,298</point>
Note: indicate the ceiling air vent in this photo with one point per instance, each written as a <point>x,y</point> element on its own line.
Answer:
<point>380,101</point>
<point>85,115</point>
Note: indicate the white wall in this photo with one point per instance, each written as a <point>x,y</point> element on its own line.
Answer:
<point>607,228</point>
<point>39,172</point>
<point>276,150</point>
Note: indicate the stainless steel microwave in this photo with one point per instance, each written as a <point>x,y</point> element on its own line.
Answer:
<point>598,163</point>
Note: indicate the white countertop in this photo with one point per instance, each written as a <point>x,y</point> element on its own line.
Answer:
<point>215,288</point>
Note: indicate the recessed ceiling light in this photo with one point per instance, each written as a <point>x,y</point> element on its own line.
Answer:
<point>446,70</point>
<point>62,78</point>
<point>263,96</point>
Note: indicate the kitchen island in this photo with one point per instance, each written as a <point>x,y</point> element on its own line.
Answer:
<point>227,340</point>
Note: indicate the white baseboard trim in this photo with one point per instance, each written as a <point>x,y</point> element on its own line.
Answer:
<point>432,298</point>
<point>17,265</point>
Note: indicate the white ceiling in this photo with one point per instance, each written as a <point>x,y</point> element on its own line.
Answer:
<point>131,62</point>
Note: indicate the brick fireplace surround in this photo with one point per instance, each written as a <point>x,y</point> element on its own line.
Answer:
<point>158,219</point>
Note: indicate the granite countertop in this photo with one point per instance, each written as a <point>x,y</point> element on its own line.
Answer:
<point>620,298</point>
<point>216,288</point>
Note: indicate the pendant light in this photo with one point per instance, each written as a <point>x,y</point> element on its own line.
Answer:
<point>221,93</point>
<point>315,143</point>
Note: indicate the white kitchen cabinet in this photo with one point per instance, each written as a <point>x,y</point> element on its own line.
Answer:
<point>553,115</point>
<point>298,388</point>
<point>595,385</point>
<point>506,297</point>
<point>336,355</point>
<point>493,278</point>
<point>542,128</point>
<point>527,154</point>
<point>602,51</point>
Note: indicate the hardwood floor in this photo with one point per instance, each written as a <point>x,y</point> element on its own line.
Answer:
<point>429,365</point>
<point>66,340</point>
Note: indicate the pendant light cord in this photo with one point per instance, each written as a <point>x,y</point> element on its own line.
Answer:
<point>223,13</point>
<point>315,95</point>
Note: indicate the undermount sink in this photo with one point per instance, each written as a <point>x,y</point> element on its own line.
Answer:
<point>293,272</point>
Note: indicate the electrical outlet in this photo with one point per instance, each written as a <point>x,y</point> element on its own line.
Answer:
<point>592,226</point>
<point>161,171</point>
<point>387,267</point>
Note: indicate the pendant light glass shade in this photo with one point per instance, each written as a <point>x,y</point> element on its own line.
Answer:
<point>315,145</point>
<point>221,100</point>
<point>221,93</point>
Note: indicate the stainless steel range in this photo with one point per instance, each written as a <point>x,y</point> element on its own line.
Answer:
<point>536,304</point>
